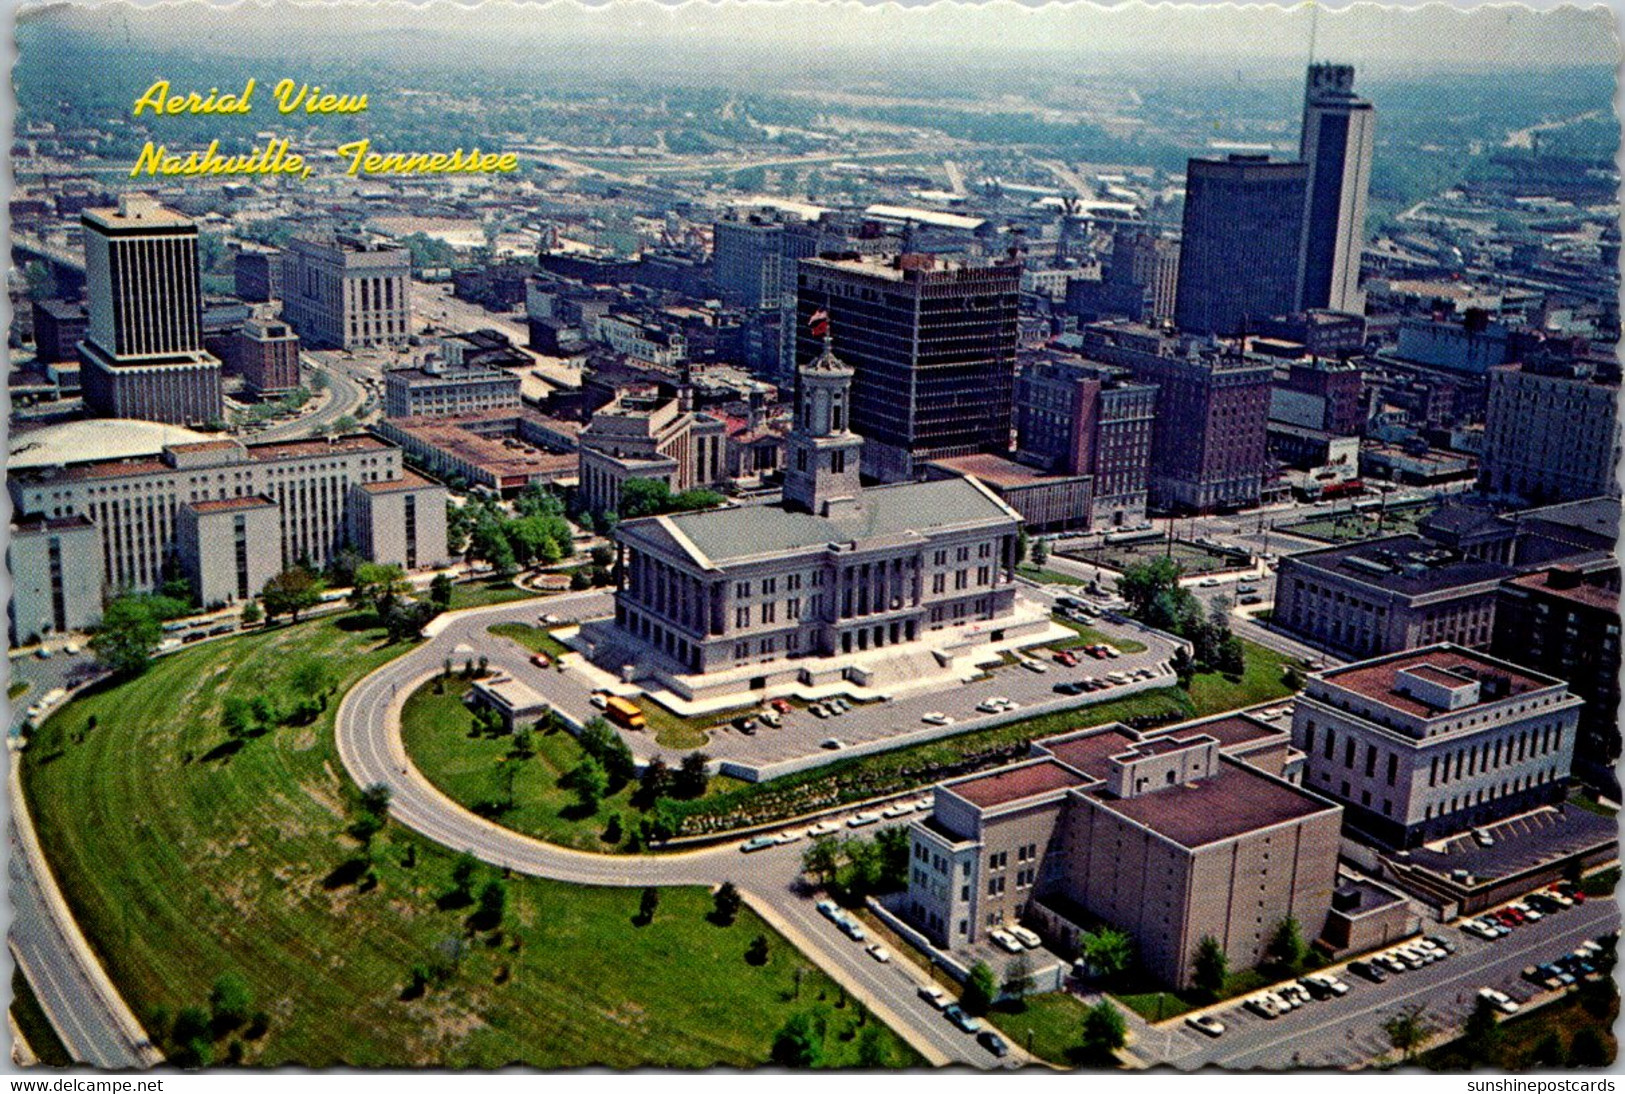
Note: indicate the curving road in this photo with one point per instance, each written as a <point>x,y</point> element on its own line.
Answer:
<point>367,729</point>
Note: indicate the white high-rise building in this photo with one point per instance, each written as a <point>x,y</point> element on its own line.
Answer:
<point>1338,133</point>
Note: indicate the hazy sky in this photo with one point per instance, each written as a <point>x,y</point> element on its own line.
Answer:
<point>795,32</point>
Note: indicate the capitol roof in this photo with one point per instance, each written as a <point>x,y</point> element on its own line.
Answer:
<point>94,439</point>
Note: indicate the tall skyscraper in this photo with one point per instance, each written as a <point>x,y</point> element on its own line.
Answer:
<point>1336,144</point>
<point>143,354</point>
<point>1243,228</point>
<point>933,344</point>
<point>748,253</point>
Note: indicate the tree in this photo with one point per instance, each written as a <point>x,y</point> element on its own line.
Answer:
<point>603,744</point>
<point>440,590</point>
<point>191,1039</point>
<point>1104,1032</point>
<point>799,1043</point>
<point>1405,1030</point>
<point>691,779</point>
<point>655,781</point>
<point>757,953</point>
<point>1481,1033</point>
<point>1231,658</point>
<point>375,800</point>
<point>229,1003</point>
<point>378,583</point>
<point>1588,1049</point>
<point>976,997</point>
<point>644,497</point>
<point>1184,668</point>
<point>872,1051</point>
<point>1108,952</point>
<point>294,590</point>
<point>1142,583</point>
<point>589,782</point>
<point>1211,966</point>
<point>647,904</point>
<point>822,859</point>
<point>1286,948</point>
<point>493,902</point>
<point>1018,981</point>
<point>128,632</point>
<point>1040,552</point>
<point>251,613</point>
<point>311,676</point>
<point>727,903</point>
<point>1021,546</point>
<point>462,874</point>
<point>1548,1051</point>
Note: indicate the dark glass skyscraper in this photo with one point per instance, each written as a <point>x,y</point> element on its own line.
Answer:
<point>1243,227</point>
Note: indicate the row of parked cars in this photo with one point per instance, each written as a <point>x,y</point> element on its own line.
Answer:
<point>860,819</point>
<point>965,1023</point>
<point>1014,938</point>
<point>1581,964</point>
<point>1283,998</point>
<point>1411,955</point>
<point>1096,683</point>
<point>1531,909</point>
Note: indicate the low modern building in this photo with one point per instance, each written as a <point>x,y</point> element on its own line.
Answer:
<point>56,576</point>
<point>503,450</point>
<point>440,388</point>
<point>1171,836</point>
<point>1047,502</point>
<point>1433,742</point>
<point>135,488</point>
<point>1386,595</point>
<point>219,544</point>
<point>762,596</point>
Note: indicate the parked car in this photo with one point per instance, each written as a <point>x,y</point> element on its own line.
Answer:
<point>993,1043</point>
<point>1480,929</point>
<point>1265,1006</point>
<point>1500,1000</point>
<point>1033,666</point>
<point>540,660</point>
<point>781,705</point>
<point>1369,970</point>
<point>936,718</point>
<point>852,929</point>
<point>823,828</point>
<point>1004,940</point>
<point>958,1017</point>
<point>878,952</point>
<point>933,996</point>
<point>1205,1023</point>
<point>817,710</point>
<point>1027,938</point>
<point>771,718</point>
<point>599,700</point>
<point>758,843</point>
<point>1444,944</point>
<point>789,835</point>
<point>832,743</point>
<point>1065,657</point>
<point>901,809</point>
<point>858,820</point>
<point>1070,687</point>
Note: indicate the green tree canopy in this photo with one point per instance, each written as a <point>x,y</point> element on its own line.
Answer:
<point>128,632</point>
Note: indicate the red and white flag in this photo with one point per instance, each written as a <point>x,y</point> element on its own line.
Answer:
<point>818,323</point>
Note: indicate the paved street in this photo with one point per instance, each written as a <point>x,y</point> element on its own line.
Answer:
<point>345,397</point>
<point>368,735</point>
<point>1347,1032</point>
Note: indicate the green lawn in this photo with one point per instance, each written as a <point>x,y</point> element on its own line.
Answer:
<point>183,862</point>
<point>1046,576</point>
<point>689,734</point>
<point>1192,558</point>
<point>16,690</point>
<point>1157,1006</point>
<point>479,594</point>
<point>1154,1006</point>
<point>1261,682</point>
<point>1351,526</point>
<point>35,1026</point>
<point>1088,636</point>
<point>901,769</point>
<point>1053,1022</point>
<point>1602,883</point>
<point>535,639</point>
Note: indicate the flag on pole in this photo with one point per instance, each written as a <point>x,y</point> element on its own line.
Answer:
<point>818,323</point>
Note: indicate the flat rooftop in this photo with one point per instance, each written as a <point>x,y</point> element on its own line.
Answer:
<point>1377,679</point>
<point>1090,751</point>
<point>1236,730</point>
<point>1408,565</point>
<point>409,480</point>
<point>231,505</point>
<point>1012,784</point>
<point>1580,592</point>
<point>1235,801</point>
<point>316,446</point>
<point>1000,472</point>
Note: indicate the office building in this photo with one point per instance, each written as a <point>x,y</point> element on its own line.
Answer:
<point>1171,836</point>
<point>1077,418</point>
<point>1208,444</point>
<point>267,356</point>
<point>1386,595</point>
<point>1552,433</point>
<point>1140,280</point>
<point>257,273</point>
<point>748,261</point>
<point>142,355</point>
<point>1238,256</point>
<point>1564,622</point>
<point>778,596</point>
<point>649,436</point>
<point>347,292</point>
<point>504,450</point>
<point>1321,394</point>
<point>441,388</point>
<point>132,490</point>
<point>219,544</point>
<point>59,327</point>
<point>933,345</point>
<point>56,577</point>
<point>1435,741</point>
<point>1336,143</point>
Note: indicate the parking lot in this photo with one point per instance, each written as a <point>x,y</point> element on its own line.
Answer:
<point>1347,1031</point>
